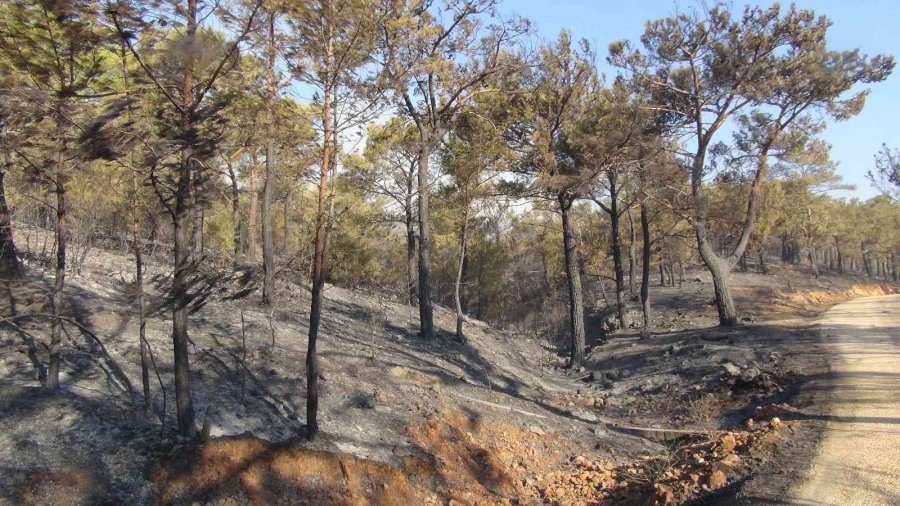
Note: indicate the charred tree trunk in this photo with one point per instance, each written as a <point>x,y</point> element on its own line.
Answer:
<point>865,260</point>
<point>268,294</point>
<point>632,252</point>
<point>320,253</point>
<point>138,260</point>
<point>52,382</point>
<point>813,261</point>
<point>10,266</point>
<point>645,264</point>
<point>252,208</point>
<point>268,291</point>
<point>573,276</point>
<point>724,301</point>
<point>409,215</point>
<point>139,289</point>
<point>614,218</point>
<point>426,322</point>
<point>463,245</point>
<point>840,258</point>
<point>197,210</point>
<point>286,236</point>
<point>235,213</point>
<point>183,199</point>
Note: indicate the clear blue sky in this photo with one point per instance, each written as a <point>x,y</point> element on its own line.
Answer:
<point>870,25</point>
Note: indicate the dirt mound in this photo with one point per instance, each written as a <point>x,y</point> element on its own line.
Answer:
<point>820,298</point>
<point>243,469</point>
<point>457,459</point>
<point>671,477</point>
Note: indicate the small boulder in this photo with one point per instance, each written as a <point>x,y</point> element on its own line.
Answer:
<point>731,369</point>
<point>750,374</point>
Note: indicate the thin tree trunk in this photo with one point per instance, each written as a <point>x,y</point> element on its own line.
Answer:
<point>138,259</point>
<point>614,217</point>
<point>632,252</point>
<point>426,324</point>
<point>197,231</point>
<point>840,259</point>
<point>286,237</point>
<point>320,255</point>
<point>268,294</point>
<point>52,382</point>
<point>235,213</point>
<point>865,260</point>
<point>576,304</point>
<point>183,402</point>
<point>645,264</point>
<point>252,208</point>
<point>10,266</point>
<point>893,268</point>
<point>411,289</point>
<point>463,244</point>
<point>139,287</point>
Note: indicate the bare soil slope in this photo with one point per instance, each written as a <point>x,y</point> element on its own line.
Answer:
<point>403,419</point>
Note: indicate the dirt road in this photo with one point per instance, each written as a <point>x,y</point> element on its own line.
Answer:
<point>859,459</point>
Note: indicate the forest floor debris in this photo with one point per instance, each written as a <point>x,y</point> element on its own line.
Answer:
<point>497,420</point>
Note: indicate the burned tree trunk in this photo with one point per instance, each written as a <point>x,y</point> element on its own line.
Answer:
<point>60,280</point>
<point>463,245</point>
<point>409,216</point>
<point>184,194</point>
<point>645,264</point>
<point>426,318</point>
<point>268,292</point>
<point>10,266</point>
<point>632,252</point>
<point>573,276</point>
<point>235,213</point>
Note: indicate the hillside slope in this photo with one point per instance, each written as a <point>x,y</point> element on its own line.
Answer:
<point>497,419</point>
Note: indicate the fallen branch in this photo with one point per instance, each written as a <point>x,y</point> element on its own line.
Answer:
<point>86,331</point>
<point>498,406</point>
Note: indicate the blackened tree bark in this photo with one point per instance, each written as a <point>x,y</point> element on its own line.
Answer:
<point>632,252</point>
<point>411,241</point>
<point>56,299</point>
<point>235,212</point>
<point>645,263</point>
<point>10,266</point>
<point>573,278</point>
<point>463,245</point>
<point>184,194</point>
<point>252,207</point>
<point>138,255</point>
<point>865,259</point>
<point>320,254</point>
<point>197,212</point>
<point>426,317</point>
<point>268,293</point>
<point>615,215</point>
<point>286,236</point>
